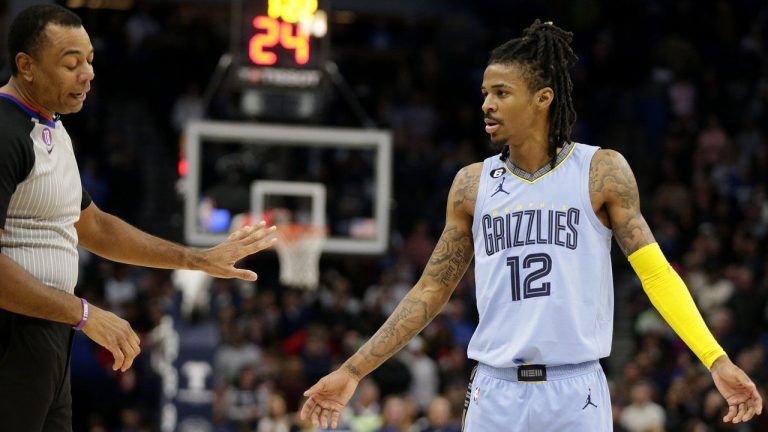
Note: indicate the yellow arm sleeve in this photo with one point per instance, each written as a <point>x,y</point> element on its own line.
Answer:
<point>671,298</point>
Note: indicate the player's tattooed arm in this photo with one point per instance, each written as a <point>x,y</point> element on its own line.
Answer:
<point>446,267</point>
<point>463,194</point>
<point>611,177</point>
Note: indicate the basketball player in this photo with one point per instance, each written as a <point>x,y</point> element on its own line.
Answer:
<point>538,219</point>
<point>45,214</point>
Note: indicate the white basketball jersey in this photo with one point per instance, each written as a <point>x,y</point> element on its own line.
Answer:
<point>542,265</point>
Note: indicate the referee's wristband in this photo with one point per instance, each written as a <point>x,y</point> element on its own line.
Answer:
<point>80,325</point>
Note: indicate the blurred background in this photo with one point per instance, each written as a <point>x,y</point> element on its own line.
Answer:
<point>679,87</point>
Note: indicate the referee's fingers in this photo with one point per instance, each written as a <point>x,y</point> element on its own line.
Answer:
<point>244,274</point>
<point>264,239</point>
<point>240,234</point>
<point>258,235</point>
<point>258,246</point>
<point>130,354</point>
<point>119,357</point>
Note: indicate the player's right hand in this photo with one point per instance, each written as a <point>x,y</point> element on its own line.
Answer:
<point>114,334</point>
<point>328,397</point>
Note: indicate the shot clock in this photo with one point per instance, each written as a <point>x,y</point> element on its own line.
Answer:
<point>289,36</point>
<point>282,44</point>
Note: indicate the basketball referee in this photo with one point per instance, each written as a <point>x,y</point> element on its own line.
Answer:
<point>538,219</point>
<point>45,214</point>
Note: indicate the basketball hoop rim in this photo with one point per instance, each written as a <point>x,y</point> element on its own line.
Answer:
<point>294,232</point>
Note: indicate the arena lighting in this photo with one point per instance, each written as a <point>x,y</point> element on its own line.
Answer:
<point>101,4</point>
<point>292,11</point>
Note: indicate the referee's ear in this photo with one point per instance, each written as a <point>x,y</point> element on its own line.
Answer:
<point>25,63</point>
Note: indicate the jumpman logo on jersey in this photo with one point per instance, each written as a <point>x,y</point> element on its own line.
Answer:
<point>500,188</point>
<point>589,400</point>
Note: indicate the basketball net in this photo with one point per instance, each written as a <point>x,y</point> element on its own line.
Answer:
<point>298,250</point>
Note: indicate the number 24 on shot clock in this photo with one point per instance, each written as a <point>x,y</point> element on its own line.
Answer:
<point>283,36</point>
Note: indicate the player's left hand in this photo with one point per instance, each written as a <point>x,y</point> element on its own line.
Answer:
<point>219,261</point>
<point>739,391</point>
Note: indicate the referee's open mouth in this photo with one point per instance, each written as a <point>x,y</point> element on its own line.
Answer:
<point>79,96</point>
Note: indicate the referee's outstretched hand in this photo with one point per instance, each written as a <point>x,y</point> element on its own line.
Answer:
<point>114,334</point>
<point>219,261</point>
<point>739,391</point>
<point>327,398</point>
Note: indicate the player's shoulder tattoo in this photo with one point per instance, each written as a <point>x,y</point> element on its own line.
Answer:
<point>611,175</point>
<point>464,190</point>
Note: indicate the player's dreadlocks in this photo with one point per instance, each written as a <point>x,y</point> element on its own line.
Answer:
<point>544,55</point>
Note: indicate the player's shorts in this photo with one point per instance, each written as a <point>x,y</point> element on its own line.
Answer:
<point>34,374</point>
<point>538,398</point>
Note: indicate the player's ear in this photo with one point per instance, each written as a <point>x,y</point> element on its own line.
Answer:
<point>544,97</point>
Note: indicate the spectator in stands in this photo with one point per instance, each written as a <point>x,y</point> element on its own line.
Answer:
<point>643,414</point>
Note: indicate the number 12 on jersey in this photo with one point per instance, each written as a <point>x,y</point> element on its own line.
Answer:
<point>529,290</point>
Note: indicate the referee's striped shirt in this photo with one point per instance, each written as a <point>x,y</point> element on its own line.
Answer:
<point>40,194</point>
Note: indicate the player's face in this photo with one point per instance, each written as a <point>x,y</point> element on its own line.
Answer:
<point>62,71</point>
<point>510,109</point>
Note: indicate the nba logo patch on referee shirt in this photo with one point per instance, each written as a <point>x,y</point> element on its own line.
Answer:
<point>47,139</point>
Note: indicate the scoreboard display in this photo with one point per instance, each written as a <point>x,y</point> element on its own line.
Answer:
<point>282,44</point>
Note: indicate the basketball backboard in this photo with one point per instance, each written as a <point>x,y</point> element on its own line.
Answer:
<point>337,177</point>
